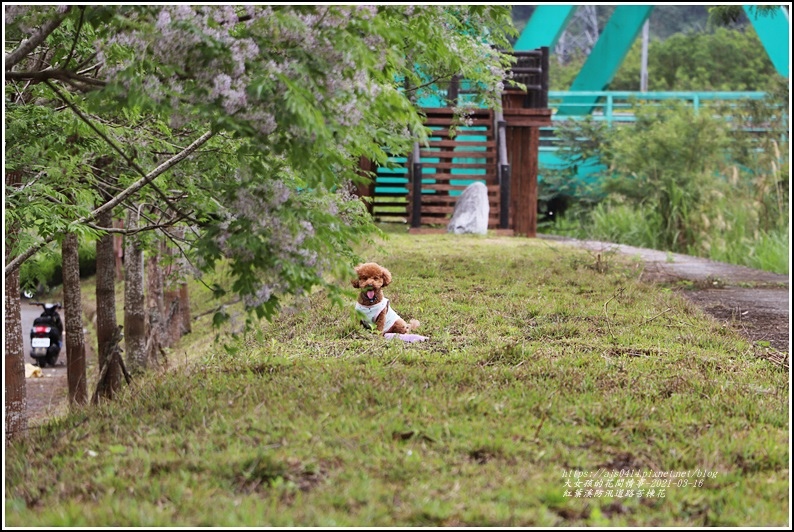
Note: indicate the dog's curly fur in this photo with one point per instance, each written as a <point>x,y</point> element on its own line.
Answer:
<point>372,278</point>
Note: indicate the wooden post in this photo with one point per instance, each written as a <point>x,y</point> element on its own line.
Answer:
<point>523,143</point>
<point>502,170</point>
<point>453,91</point>
<point>416,188</point>
<point>504,195</point>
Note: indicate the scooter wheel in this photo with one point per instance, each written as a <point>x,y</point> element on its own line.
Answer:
<point>41,362</point>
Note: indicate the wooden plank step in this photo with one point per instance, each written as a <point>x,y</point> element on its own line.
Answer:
<point>450,208</point>
<point>445,188</point>
<point>460,136</point>
<point>434,209</point>
<point>430,197</point>
<point>392,192</point>
<point>481,163</point>
<point>458,154</point>
<point>447,121</point>
<point>446,178</point>
<point>402,214</point>
<point>462,143</point>
<point>429,221</point>
<point>460,128</point>
<point>390,205</point>
<point>391,199</point>
<point>443,199</point>
<point>448,111</point>
<point>485,165</point>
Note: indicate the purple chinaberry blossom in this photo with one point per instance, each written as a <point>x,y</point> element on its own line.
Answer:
<point>163,20</point>
<point>261,296</point>
<point>367,12</point>
<point>222,58</point>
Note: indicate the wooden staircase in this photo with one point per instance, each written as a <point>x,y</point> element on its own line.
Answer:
<point>422,188</point>
<point>457,155</point>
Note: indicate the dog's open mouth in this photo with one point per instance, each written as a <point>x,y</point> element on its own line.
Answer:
<point>370,293</point>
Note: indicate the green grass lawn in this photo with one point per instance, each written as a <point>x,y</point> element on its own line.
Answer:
<point>546,367</point>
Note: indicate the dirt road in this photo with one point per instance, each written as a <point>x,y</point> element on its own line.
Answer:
<point>47,394</point>
<point>754,302</point>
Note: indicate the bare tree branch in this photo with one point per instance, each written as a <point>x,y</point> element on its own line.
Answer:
<point>168,201</point>
<point>82,68</point>
<point>42,76</point>
<point>122,231</point>
<point>129,191</point>
<point>175,241</point>
<point>28,45</point>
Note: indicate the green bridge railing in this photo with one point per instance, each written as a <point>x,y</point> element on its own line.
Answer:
<point>615,108</point>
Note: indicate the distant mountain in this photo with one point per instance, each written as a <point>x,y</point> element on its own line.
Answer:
<point>665,20</point>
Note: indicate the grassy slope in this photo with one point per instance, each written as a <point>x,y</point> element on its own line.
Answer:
<point>541,361</point>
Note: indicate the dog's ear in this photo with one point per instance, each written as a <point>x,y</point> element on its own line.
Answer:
<point>386,276</point>
<point>355,281</point>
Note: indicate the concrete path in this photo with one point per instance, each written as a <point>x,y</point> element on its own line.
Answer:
<point>756,302</point>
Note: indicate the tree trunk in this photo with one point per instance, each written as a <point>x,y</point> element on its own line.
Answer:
<point>177,302</point>
<point>172,319</point>
<point>134,313</point>
<point>15,393</point>
<point>73,322</point>
<point>155,307</point>
<point>118,250</point>
<point>184,308</point>
<point>16,398</point>
<point>106,312</point>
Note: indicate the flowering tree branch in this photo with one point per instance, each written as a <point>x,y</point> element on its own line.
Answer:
<point>303,92</point>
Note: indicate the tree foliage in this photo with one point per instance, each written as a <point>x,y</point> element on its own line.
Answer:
<point>280,102</point>
<point>731,14</point>
<point>723,60</point>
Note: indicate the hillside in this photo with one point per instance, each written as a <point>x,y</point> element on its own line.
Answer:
<point>665,20</point>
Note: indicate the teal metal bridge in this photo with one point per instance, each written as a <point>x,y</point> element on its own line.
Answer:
<point>614,108</point>
<point>587,97</point>
<point>548,22</point>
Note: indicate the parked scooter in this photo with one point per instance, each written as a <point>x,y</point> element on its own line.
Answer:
<point>46,335</point>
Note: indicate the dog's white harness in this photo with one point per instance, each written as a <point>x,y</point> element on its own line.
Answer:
<point>373,312</point>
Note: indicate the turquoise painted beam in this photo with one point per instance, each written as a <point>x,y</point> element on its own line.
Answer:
<point>606,56</point>
<point>544,27</point>
<point>773,30</point>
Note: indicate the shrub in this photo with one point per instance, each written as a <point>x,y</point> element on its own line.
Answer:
<point>43,271</point>
<point>691,182</point>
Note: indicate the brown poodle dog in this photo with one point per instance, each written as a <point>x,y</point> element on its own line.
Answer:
<point>371,280</point>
